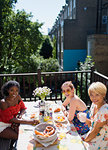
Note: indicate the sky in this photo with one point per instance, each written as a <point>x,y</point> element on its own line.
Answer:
<point>43,11</point>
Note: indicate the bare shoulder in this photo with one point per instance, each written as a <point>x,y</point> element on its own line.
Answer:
<point>78,101</point>
<point>74,99</point>
<point>3,104</point>
<point>80,104</point>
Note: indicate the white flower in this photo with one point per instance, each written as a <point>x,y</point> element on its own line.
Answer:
<point>42,92</point>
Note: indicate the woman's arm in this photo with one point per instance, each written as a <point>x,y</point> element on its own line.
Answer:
<point>95,131</point>
<point>20,121</point>
<point>72,110</point>
<point>88,122</point>
<point>65,103</point>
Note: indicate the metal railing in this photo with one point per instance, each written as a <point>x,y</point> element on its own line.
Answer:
<point>54,80</point>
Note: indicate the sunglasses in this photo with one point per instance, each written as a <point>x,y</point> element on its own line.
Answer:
<point>66,91</point>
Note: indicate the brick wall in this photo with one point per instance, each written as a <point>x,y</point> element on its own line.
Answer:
<point>98,49</point>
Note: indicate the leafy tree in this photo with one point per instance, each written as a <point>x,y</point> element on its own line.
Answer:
<point>50,65</point>
<point>21,39</point>
<point>36,62</point>
<point>5,10</point>
<point>46,50</point>
<point>31,65</point>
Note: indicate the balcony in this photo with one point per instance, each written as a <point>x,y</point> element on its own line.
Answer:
<point>29,81</point>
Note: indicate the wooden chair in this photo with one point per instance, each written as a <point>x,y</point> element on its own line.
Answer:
<point>4,144</point>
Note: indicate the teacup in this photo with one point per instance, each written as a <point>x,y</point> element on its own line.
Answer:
<point>82,116</point>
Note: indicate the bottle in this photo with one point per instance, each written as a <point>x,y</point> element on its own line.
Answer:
<point>41,110</point>
<point>50,113</point>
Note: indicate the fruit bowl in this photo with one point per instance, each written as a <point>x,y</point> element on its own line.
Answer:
<point>40,135</point>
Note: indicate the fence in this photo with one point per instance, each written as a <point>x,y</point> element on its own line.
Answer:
<point>30,81</point>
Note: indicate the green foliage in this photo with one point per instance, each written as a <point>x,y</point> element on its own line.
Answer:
<point>46,50</point>
<point>87,65</point>
<point>5,11</point>
<point>50,65</point>
<point>36,62</point>
<point>20,40</point>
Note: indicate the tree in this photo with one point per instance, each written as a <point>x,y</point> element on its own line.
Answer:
<point>20,40</point>
<point>46,50</point>
<point>5,10</point>
<point>36,62</point>
<point>50,65</point>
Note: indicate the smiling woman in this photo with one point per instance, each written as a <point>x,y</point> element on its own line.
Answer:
<point>11,110</point>
<point>97,137</point>
<point>76,106</point>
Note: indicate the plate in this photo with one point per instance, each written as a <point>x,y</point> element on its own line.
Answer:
<point>60,118</point>
<point>31,116</point>
<point>62,127</point>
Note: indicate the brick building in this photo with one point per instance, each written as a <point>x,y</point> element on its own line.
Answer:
<point>76,21</point>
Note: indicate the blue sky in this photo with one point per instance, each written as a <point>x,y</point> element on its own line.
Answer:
<point>45,11</point>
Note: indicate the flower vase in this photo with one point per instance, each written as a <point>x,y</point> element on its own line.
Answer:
<point>41,109</point>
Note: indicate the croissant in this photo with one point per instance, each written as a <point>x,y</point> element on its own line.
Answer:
<point>57,110</point>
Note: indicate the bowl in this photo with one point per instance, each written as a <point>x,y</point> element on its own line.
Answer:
<point>40,128</point>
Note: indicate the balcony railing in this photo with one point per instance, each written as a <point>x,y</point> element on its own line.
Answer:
<point>30,81</point>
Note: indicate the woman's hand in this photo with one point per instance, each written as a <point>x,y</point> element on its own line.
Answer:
<point>66,113</point>
<point>17,98</point>
<point>33,122</point>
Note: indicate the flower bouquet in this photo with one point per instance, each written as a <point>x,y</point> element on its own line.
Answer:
<point>42,92</point>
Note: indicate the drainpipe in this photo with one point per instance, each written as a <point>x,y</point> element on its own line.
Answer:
<point>99,17</point>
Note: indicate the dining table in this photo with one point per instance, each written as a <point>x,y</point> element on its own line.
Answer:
<point>67,137</point>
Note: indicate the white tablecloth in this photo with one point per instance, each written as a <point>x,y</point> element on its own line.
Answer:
<point>66,141</point>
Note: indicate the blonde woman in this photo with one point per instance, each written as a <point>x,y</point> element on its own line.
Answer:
<point>97,137</point>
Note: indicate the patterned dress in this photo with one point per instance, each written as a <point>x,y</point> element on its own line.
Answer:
<point>7,114</point>
<point>81,127</point>
<point>100,142</point>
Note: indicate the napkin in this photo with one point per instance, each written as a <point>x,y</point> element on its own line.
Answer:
<point>45,144</point>
<point>37,144</point>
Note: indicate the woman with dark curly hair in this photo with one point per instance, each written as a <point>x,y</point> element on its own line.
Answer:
<point>11,110</point>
